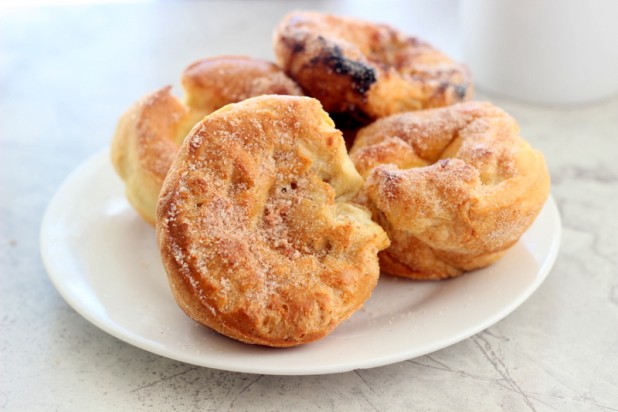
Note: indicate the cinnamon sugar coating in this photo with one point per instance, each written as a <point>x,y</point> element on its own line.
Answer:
<point>453,187</point>
<point>149,133</point>
<point>366,70</point>
<point>256,227</point>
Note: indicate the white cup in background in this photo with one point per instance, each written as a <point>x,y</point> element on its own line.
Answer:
<point>542,51</point>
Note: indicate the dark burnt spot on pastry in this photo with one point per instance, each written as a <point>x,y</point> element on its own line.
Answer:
<point>460,91</point>
<point>296,47</point>
<point>361,75</point>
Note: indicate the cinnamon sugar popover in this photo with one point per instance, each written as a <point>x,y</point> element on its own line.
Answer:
<point>149,134</point>
<point>366,70</point>
<point>453,187</point>
<point>256,227</point>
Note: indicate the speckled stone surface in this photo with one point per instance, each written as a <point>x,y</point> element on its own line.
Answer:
<point>67,73</point>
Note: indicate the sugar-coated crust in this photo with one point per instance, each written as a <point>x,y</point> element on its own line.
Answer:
<point>453,187</point>
<point>212,83</point>
<point>149,134</point>
<point>255,225</point>
<point>146,140</point>
<point>366,70</point>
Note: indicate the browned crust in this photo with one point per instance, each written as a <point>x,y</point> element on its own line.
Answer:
<point>215,82</point>
<point>149,134</point>
<point>255,227</point>
<point>366,70</point>
<point>144,145</point>
<point>454,187</point>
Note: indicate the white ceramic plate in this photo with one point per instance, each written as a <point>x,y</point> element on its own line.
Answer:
<point>103,260</point>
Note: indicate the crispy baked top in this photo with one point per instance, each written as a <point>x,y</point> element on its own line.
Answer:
<point>364,68</point>
<point>459,179</point>
<point>150,132</point>
<point>212,83</point>
<point>256,226</point>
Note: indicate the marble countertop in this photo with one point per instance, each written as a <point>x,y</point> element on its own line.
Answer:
<point>68,72</point>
